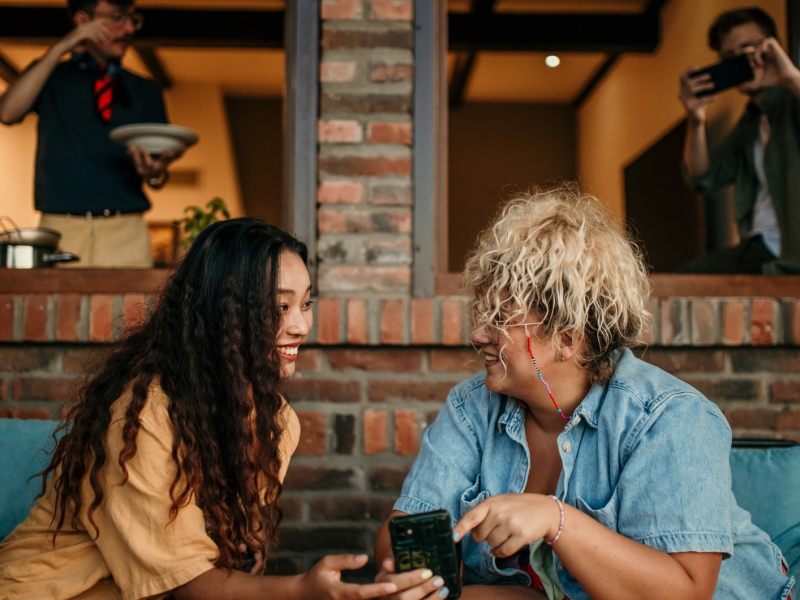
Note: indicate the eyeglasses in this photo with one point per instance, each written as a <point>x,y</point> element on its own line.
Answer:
<point>119,19</point>
<point>493,331</point>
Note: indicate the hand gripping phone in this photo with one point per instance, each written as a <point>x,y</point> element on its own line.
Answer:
<point>426,541</point>
<point>727,74</point>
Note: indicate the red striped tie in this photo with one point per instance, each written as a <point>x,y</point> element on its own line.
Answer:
<point>103,88</point>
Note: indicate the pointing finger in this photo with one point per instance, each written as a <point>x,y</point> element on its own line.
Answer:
<point>470,520</point>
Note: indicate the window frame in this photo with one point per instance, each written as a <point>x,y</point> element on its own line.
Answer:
<point>301,107</point>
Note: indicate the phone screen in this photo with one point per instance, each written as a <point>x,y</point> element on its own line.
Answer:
<point>727,74</point>
<point>426,541</point>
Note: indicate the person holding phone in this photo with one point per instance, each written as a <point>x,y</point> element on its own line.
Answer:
<point>86,186</point>
<point>570,468</point>
<point>761,156</point>
<point>169,471</point>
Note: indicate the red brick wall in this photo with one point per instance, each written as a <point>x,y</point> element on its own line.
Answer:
<point>363,411</point>
<point>378,368</point>
<point>365,135</point>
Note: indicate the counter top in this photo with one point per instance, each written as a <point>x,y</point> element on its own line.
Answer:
<point>149,281</point>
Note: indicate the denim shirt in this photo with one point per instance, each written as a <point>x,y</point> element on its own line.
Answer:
<point>646,455</point>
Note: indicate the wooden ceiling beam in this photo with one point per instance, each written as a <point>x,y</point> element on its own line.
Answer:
<point>162,27</point>
<point>580,32</point>
<point>471,32</point>
<point>595,80</point>
<point>8,72</point>
<point>460,78</point>
<point>465,61</point>
<point>154,65</point>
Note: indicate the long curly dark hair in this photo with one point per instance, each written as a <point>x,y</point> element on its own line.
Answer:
<point>211,340</point>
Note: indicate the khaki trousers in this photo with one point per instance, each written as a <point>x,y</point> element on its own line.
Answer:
<point>121,241</point>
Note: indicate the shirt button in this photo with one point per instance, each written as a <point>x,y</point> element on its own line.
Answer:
<point>566,447</point>
<point>560,569</point>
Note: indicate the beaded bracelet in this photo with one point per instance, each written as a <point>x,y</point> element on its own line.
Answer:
<point>561,524</point>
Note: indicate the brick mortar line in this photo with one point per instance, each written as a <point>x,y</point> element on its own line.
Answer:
<point>765,406</point>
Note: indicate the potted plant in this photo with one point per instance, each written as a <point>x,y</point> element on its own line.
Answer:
<point>194,223</point>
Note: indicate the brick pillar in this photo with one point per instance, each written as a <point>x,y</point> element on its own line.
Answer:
<point>364,194</point>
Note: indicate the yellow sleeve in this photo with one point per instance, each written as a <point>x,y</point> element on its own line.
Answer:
<point>290,438</point>
<point>147,553</point>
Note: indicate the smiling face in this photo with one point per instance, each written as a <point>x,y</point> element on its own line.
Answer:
<point>742,39</point>
<point>509,368</point>
<point>294,303</point>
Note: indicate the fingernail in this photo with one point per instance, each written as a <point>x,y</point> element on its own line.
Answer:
<point>361,557</point>
<point>427,574</point>
<point>443,592</point>
<point>455,536</point>
<point>438,582</point>
<point>391,588</point>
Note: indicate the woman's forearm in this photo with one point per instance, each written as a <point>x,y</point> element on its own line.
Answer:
<point>219,584</point>
<point>611,566</point>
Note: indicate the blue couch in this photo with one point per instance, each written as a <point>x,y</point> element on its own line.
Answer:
<point>766,481</point>
<point>24,452</point>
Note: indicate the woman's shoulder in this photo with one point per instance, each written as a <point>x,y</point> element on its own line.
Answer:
<point>649,386</point>
<point>642,393</point>
<point>154,412</point>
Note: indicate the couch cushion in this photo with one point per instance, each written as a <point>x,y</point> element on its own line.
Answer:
<point>21,456</point>
<point>766,483</point>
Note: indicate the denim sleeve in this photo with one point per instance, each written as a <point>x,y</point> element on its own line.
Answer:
<point>447,464</point>
<point>675,486</point>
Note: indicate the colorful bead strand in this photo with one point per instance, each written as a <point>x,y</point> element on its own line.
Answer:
<point>558,408</point>
<point>561,524</point>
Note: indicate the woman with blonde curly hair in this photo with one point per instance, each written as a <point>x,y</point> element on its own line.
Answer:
<point>578,470</point>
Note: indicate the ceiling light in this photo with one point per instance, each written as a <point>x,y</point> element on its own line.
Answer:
<point>552,61</point>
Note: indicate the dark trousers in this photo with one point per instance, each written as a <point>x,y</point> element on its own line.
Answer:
<point>748,257</point>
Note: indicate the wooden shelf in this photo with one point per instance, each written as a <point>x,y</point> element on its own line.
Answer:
<point>81,281</point>
<point>149,281</point>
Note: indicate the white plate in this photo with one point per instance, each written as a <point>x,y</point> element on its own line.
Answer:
<point>154,137</point>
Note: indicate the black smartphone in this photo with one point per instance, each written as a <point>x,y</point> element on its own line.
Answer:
<point>727,74</point>
<point>426,541</point>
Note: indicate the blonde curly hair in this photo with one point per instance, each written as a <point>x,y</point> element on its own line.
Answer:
<point>557,253</point>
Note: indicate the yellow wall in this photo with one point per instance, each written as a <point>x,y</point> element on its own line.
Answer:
<point>637,102</point>
<point>17,150</point>
<point>198,106</point>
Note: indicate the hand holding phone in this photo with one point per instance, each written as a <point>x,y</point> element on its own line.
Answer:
<point>425,540</point>
<point>725,74</point>
<point>692,85</point>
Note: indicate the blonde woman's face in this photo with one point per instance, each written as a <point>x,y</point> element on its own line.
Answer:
<point>508,364</point>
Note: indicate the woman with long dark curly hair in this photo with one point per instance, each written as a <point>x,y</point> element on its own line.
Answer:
<point>169,471</point>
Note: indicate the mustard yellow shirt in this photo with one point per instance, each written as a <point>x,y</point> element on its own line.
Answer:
<point>139,552</point>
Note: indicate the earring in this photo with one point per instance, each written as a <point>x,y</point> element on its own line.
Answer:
<point>561,356</point>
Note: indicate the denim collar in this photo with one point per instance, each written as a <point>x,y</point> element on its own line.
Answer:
<point>508,416</point>
<point>588,409</point>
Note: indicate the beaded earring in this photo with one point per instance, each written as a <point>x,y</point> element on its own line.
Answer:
<point>530,351</point>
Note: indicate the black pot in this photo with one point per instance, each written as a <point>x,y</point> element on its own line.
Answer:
<point>30,248</point>
<point>25,256</point>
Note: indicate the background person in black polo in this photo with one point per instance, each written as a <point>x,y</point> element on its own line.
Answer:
<point>88,187</point>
